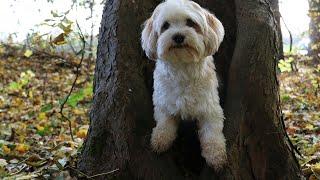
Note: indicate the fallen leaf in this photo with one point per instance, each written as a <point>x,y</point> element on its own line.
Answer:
<point>309,127</point>
<point>3,163</point>
<point>82,133</point>
<point>22,148</point>
<point>42,116</point>
<point>40,128</point>
<point>5,149</point>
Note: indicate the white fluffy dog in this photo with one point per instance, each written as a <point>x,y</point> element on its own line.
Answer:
<point>182,37</point>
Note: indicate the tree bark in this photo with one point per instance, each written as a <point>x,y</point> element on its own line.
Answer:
<point>122,115</point>
<point>276,12</point>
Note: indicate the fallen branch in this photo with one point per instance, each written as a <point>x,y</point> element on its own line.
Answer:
<point>82,51</point>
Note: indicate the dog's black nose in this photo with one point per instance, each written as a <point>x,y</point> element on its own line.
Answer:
<point>178,38</point>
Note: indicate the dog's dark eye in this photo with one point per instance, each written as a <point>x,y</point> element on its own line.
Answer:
<point>191,23</point>
<point>165,26</point>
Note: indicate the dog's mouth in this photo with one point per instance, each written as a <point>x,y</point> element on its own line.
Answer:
<point>183,50</point>
<point>181,46</point>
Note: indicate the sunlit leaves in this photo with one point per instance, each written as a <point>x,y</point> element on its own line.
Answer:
<point>28,53</point>
<point>66,28</point>
<point>21,148</point>
<point>61,38</point>
<point>63,23</point>
<point>78,96</point>
<point>285,65</point>
<point>24,79</point>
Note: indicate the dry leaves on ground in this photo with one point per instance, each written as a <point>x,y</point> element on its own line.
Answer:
<point>34,140</point>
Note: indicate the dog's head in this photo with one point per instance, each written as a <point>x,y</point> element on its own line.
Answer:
<point>180,30</point>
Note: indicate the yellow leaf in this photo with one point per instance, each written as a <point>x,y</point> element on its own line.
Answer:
<point>28,53</point>
<point>17,102</point>
<point>82,133</point>
<point>40,128</point>
<point>59,40</point>
<point>78,112</point>
<point>2,50</point>
<point>30,73</point>
<point>42,116</point>
<point>67,29</point>
<point>316,167</point>
<point>30,94</point>
<point>21,139</point>
<point>56,78</point>
<point>6,150</point>
<point>21,148</point>
<point>309,127</point>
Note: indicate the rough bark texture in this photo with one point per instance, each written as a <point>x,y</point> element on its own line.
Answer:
<point>275,8</point>
<point>257,141</point>
<point>122,115</point>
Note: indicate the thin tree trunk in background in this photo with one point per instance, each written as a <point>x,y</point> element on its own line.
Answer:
<point>91,6</point>
<point>314,29</point>
<point>122,115</point>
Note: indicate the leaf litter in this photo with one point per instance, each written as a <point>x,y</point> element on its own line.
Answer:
<point>300,91</point>
<point>34,140</point>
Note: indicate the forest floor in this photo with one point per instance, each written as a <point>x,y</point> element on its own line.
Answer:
<point>300,100</point>
<point>35,139</point>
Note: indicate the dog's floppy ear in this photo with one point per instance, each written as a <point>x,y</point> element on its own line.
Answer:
<point>149,39</point>
<point>215,33</point>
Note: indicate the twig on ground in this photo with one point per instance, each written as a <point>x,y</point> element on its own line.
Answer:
<point>93,176</point>
<point>78,171</point>
<point>103,174</point>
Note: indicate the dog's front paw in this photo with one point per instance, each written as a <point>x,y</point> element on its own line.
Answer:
<point>214,151</point>
<point>215,158</point>
<point>162,137</point>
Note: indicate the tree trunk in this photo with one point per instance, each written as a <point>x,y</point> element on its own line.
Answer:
<point>122,115</point>
<point>275,8</point>
<point>314,30</point>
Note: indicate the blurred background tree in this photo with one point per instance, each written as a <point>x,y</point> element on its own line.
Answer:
<point>314,31</point>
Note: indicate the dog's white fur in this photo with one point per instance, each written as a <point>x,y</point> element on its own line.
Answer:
<point>185,82</point>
